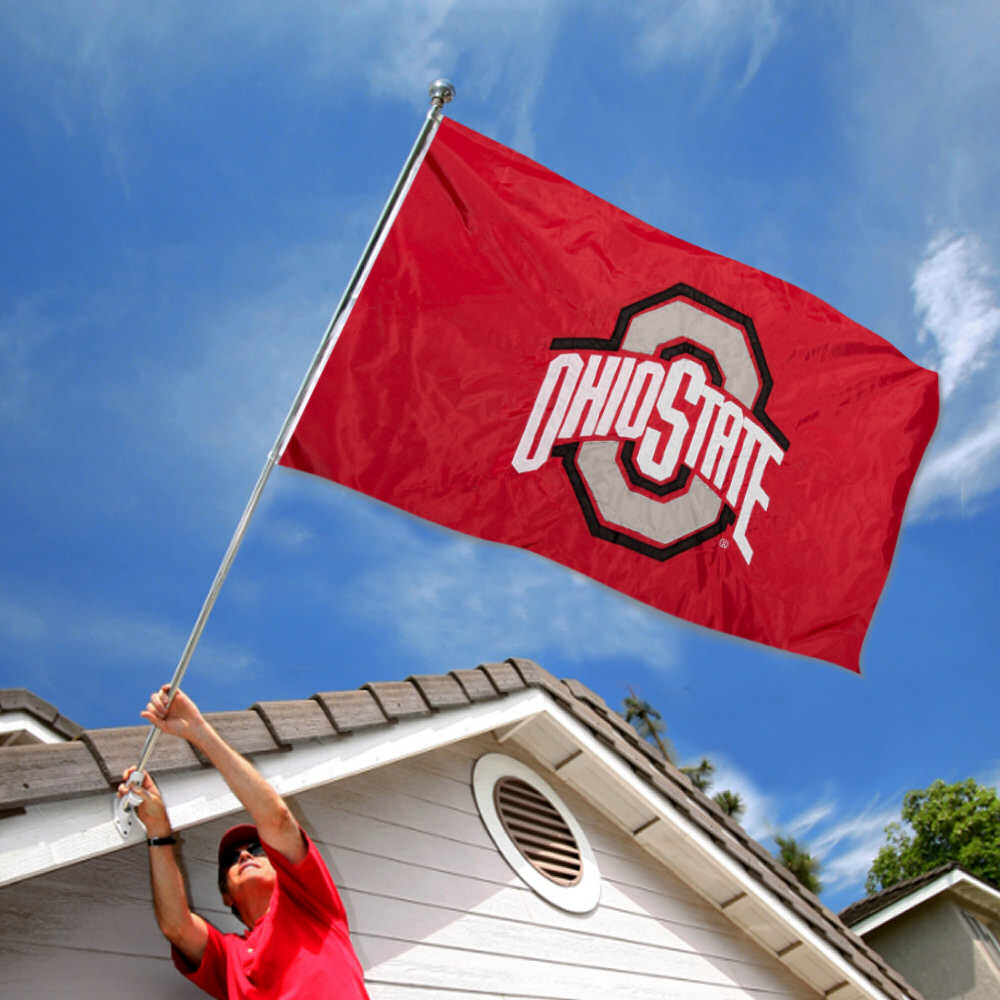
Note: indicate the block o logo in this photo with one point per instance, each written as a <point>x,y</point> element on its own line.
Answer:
<point>666,432</point>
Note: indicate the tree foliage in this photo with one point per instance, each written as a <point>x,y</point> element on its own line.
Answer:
<point>799,862</point>
<point>958,822</point>
<point>648,723</point>
<point>731,803</point>
<point>701,774</point>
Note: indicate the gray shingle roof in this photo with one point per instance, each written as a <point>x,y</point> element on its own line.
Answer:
<point>95,760</point>
<point>862,908</point>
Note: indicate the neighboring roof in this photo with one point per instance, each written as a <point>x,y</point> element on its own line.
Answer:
<point>881,907</point>
<point>26,718</point>
<point>582,739</point>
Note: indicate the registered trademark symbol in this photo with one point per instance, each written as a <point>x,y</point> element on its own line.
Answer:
<point>723,543</point>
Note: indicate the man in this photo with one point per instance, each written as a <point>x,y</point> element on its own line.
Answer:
<point>296,945</point>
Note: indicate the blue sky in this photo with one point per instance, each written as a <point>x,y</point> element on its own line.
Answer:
<point>185,190</point>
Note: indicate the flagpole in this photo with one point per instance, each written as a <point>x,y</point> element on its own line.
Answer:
<point>441,92</point>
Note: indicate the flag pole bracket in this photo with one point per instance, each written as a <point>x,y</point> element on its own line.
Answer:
<point>124,809</point>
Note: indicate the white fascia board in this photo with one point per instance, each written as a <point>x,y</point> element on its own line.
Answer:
<point>12,722</point>
<point>57,834</point>
<point>662,809</point>
<point>947,881</point>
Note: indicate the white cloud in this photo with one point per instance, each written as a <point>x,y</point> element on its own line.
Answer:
<point>464,601</point>
<point>52,627</point>
<point>963,470</point>
<point>711,30</point>
<point>846,846</point>
<point>108,57</point>
<point>953,292</point>
<point>760,807</point>
<point>808,820</point>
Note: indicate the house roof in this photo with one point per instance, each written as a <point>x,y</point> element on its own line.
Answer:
<point>26,718</point>
<point>563,722</point>
<point>882,907</point>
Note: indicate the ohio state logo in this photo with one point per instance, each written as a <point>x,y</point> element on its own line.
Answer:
<point>662,428</point>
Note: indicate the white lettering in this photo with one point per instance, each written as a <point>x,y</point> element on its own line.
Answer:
<point>722,443</point>
<point>615,399</point>
<point>532,454</point>
<point>697,388</point>
<point>755,495</point>
<point>642,395</point>
<point>645,458</point>
<point>591,393</point>
<point>754,436</point>
<point>584,398</point>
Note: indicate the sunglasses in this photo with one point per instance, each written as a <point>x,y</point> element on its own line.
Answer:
<point>232,855</point>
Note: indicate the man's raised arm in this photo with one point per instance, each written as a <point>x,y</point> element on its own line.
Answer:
<point>185,930</point>
<point>274,821</point>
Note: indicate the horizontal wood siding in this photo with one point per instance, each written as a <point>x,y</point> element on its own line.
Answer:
<point>437,911</point>
<point>434,908</point>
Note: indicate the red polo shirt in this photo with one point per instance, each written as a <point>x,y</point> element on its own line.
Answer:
<point>298,950</point>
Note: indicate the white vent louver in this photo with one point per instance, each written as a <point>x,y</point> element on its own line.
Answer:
<point>536,833</point>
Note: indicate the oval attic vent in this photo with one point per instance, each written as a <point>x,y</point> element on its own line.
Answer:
<point>538,830</point>
<point>536,833</point>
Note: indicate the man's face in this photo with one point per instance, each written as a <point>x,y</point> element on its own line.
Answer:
<point>249,872</point>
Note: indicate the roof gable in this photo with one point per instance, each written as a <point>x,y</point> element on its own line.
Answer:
<point>26,719</point>
<point>889,904</point>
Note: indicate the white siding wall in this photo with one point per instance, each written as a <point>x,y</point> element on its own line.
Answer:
<point>435,910</point>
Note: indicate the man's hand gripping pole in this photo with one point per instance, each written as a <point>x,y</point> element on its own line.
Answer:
<point>125,806</point>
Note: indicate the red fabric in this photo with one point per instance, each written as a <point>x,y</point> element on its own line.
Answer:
<point>300,948</point>
<point>497,271</point>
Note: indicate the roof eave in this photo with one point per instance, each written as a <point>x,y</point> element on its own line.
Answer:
<point>957,880</point>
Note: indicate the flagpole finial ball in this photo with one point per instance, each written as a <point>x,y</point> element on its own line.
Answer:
<point>441,92</point>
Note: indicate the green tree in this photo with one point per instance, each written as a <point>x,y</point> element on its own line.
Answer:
<point>799,862</point>
<point>958,822</point>
<point>701,774</point>
<point>648,723</point>
<point>730,803</point>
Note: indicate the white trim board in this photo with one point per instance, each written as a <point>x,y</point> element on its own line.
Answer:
<point>949,880</point>
<point>57,834</point>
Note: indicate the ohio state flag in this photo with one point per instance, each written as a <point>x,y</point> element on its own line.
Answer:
<point>528,364</point>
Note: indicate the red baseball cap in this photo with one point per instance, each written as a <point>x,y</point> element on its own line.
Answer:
<point>244,833</point>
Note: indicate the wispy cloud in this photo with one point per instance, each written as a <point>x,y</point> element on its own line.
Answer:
<point>847,846</point>
<point>954,294</point>
<point>117,53</point>
<point>707,30</point>
<point>470,602</point>
<point>760,807</point>
<point>844,838</point>
<point>65,630</point>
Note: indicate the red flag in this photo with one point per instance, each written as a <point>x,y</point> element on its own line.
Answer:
<point>528,364</point>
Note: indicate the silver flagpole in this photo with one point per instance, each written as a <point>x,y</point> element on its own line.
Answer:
<point>441,93</point>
